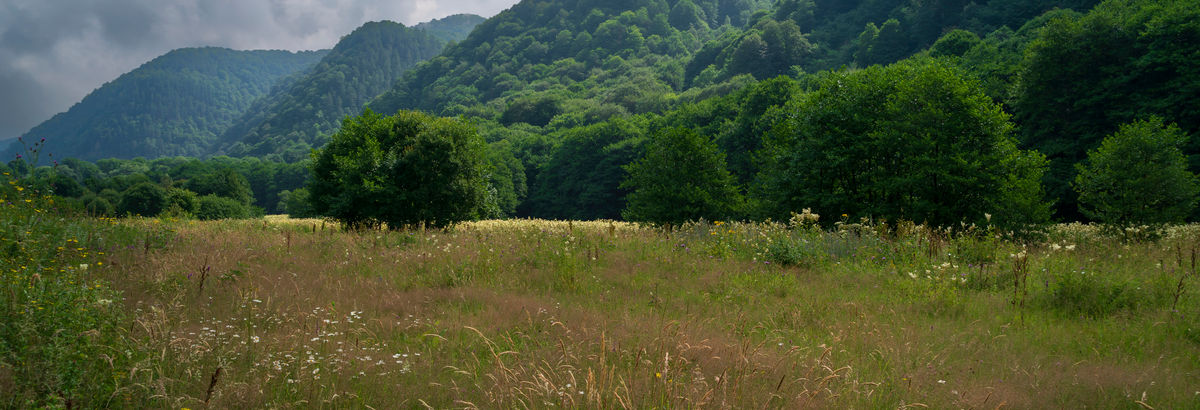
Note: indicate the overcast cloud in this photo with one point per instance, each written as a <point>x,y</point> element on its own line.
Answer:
<point>54,52</point>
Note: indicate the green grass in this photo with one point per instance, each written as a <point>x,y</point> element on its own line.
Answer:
<point>537,314</point>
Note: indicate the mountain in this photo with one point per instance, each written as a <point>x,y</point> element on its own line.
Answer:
<point>451,28</point>
<point>300,114</point>
<point>176,104</point>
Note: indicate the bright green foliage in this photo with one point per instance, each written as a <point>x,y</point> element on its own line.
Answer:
<point>587,53</point>
<point>681,177</point>
<point>954,43</point>
<point>914,140</point>
<point>62,339</point>
<point>1083,77</point>
<point>400,170</point>
<point>300,116</point>
<point>181,201</point>
<point>145,199</point>
<point>1138,176</point>
<point>176,104</point>
<point>211,207</point>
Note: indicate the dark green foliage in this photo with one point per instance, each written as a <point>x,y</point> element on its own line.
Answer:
<point>145,199</point>
<point>681,177</point>
<point>400,170</point>
<point>225,182</point>
<point>1083,77</point>
<point>913,141</point>
<point>1138,176</point>
<point>582,179</point>
<point>212,207</point>
<point>955,43</point>
<point>301,115</point>
<point>534,111</point>
<point>295,203</point>
<point>686,15</point>
<point>176,104</point>
<point>506,179</point>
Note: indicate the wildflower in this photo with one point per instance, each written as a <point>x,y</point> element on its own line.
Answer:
<point>254,339</point>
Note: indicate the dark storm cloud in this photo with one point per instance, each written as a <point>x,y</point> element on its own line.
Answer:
<point>53,52</point>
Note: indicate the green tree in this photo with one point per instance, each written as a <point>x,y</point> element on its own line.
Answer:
<point>954,43</point>
<point>399,170</point>
<point>682,177</point>
<point>1137,176</point>
<point>224,182</point>
<point>145,199</point>
<point>181,201</point>
<point>914,140</point>
<point>295,203</point>
<point>1085,76</point>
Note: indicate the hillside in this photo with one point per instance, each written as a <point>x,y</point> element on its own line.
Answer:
<point>587,59</point>
<point>176,104</point>
<point>300,114</point>
<point>451,28</point>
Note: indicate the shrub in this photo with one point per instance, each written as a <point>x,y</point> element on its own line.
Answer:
<point>212,207</point>
<point>145,199</point>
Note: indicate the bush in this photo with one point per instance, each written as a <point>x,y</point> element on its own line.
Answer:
<point>181,202</point>
<point>1092,295</point>
<point>212,207</point>
<point>792,251</point>
<point>145,199</point>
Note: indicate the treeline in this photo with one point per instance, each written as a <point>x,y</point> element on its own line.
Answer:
<point>215,188</point>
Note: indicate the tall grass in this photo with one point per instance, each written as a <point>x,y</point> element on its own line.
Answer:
<point>502,314</point>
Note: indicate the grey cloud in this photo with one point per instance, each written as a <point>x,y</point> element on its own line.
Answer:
<point>53,52</point>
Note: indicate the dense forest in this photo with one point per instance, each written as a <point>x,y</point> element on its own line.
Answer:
<point>941,112</point>
<point>301,114</point>
<point>176,104</point>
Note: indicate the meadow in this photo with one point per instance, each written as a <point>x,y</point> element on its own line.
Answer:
<point>283,312</point>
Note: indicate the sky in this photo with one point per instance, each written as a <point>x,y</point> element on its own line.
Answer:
<point>54,52</point>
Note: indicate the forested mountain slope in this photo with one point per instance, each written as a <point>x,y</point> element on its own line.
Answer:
<point>451,28</point>
<point>587,59</point>
<point>176,104</point>
<point>301,113</point>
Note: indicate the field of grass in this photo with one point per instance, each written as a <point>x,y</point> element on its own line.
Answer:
<point>504,314</point>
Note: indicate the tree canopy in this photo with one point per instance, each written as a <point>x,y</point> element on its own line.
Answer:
<point>400,170</point>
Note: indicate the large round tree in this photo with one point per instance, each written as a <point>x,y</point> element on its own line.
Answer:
<point>682,177</point>
<point>1137,176</point>
<point>399,170</point>
<point>915,140</point>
